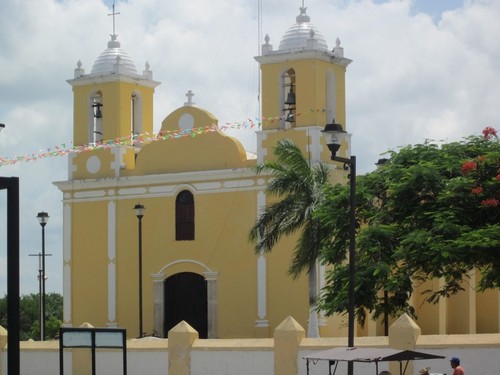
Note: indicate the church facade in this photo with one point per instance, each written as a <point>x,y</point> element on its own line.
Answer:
<point>201,196</point>
<point>187,255</point>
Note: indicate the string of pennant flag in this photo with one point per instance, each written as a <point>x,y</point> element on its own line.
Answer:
<point>134,139</point>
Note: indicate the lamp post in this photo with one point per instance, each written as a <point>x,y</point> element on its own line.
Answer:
<point>43,218</point>
<point>139,212</point>
<point>39,277</point>
<point>335,135</point>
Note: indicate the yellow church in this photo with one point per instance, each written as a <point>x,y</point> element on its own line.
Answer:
<point>183,253</point>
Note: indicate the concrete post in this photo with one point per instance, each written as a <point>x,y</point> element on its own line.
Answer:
<point>287,338</point>
<point>403,334</point>
<point>180,342</point>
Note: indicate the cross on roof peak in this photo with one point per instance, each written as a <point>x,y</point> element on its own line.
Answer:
<point>189,95</point>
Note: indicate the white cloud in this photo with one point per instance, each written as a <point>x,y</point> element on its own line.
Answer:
<point>414,76</point>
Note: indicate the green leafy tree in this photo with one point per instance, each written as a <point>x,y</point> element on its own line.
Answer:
<point>298,188</point>
<point>431,211</point>
<point>29,318</point>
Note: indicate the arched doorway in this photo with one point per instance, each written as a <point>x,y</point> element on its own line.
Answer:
<point>186,299</point>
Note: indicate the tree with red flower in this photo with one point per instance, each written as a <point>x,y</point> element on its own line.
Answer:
<point>432,211</point>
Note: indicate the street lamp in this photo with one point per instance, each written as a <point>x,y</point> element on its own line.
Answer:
<point>43,218</point>
<point>40,268</point>
<point>335,134</point>
<point>139,212</point>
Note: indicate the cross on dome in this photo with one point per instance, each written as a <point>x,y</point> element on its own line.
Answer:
<point>113,14</point>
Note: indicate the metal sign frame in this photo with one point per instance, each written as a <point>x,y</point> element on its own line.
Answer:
<point>92,338</point>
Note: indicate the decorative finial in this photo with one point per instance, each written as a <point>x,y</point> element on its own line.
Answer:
<point>79,71</point>
<point>266,47</point>
<point>302,17</point>
<point>338,50</point>
<point>147,73</point>
<point>118,67</point>
<point>311,42</point>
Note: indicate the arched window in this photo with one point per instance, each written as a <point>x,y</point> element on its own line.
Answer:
<point>136,113</point>
<point>184,216</point>
<point>95,118</point>
<point>288,99</point>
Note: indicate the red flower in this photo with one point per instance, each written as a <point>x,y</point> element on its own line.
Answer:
<point>468,166</point>
<point>491,202</point>
<point>477,190</point>
<point>498,177</point>
<point>489,132</point>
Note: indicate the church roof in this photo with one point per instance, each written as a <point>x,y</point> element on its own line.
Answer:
<point>114,60</point>
<point>303,30</point>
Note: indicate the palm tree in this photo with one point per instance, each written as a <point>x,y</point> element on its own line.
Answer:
<point>299,188</point>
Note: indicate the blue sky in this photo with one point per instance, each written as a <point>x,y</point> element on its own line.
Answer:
<point>421,69</point>
<point>433,8</point>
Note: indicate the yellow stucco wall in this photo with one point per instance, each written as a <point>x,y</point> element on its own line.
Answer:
<point>89,264</point>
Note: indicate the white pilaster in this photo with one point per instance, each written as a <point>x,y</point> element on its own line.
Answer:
<point>442,308</point>
<point>67,264</point>
<point>261,273</point>
<point>159,304</point>
<point>112,264</point>
<point>314,147</point>
<point>211,279</point>
<point>472,303</point>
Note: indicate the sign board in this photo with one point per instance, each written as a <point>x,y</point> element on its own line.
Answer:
<point>92,338</point>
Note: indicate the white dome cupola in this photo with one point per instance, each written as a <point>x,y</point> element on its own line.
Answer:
<point>114,60</point>
<point>298,35</point>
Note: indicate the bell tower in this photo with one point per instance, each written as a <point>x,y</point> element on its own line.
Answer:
<point>112,102</point>
<point>303,88</point>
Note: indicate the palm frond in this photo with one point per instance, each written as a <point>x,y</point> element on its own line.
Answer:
<point>299,188</point>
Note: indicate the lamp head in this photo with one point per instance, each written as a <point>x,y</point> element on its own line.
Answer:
<point>2,126</point>
<point>381,162</point>
<point>43,218</point>
<point>334,135</point>
<point>139,210</point>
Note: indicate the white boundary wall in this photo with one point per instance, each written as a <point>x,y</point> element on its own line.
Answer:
<point>185,354</point>
<point>475,360</point>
